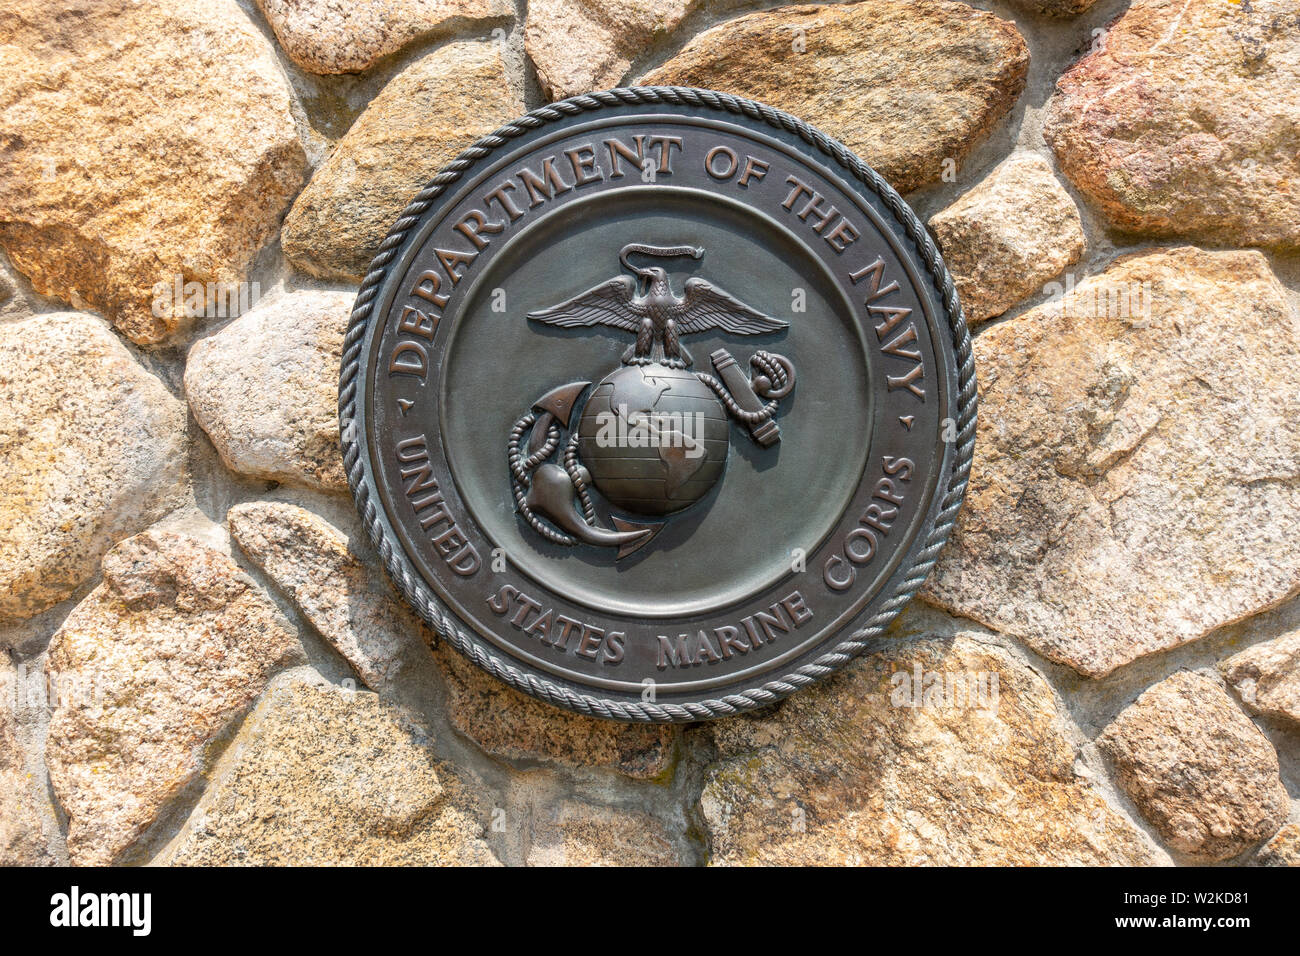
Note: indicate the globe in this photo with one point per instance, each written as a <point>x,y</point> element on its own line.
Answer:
<point>654,438</point>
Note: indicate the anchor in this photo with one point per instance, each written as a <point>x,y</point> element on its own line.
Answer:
<point>655,434</point>
<point>553,491</point>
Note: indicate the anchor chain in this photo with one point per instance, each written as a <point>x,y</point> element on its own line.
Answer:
<point>521,470</point>
<point>572,466</point>
<point>773,383</point>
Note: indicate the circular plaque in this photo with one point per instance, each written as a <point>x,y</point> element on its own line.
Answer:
<point>658,404</point>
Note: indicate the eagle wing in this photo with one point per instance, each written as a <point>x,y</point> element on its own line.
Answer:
<point>705,307</point>
<point>610,303</point>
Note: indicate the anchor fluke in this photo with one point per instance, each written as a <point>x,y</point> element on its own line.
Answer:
<point>644,531</point>
<point>551,494</point>
<point>560,401</point>
<point>555,405</point>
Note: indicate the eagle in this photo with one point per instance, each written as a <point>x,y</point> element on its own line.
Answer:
<point>647,307</point>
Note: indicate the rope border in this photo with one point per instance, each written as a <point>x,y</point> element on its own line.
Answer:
<point>447,626</point>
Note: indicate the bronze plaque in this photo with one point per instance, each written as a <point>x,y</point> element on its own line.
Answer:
<point>658,404</point>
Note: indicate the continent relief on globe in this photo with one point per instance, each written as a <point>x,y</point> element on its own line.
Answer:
<point>654,438</point>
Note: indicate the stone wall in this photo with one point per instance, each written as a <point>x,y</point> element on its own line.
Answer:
<point>203,663</point>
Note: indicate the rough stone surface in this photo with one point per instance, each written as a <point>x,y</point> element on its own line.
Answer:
<point>513,726</point>
<point>580,834</point>
<point>858,79</point>
<point>14,303</point>
<point>308,559</point>
<point>139,141</point>
<point>151,668</point>
<point>1009,235</point>
<point>1283,849</point>
<point>322,776</point>
<point>1197,768</point>
<point>1054,8</point>
<point>578,47</point>
<point>843,774</point>
<point>1267,676</point>
<point>1137,470</point>
<point>1186,124</point>
<point>418,123</point>
<point>21,840</point>
<point>91,447</point>
<point>265,389</point>
<point>325,36</point>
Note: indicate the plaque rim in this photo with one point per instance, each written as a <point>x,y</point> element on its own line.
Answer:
<point>914,566</point>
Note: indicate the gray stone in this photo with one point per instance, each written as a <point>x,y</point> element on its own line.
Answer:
<point>1197,768</point>
<point>321,776</point>
<point>1006,237</point>
<point>418,123</point>
<point>92,448</point>
<point>1136,482</point>
<point>1267,676</point>
<point>1283,849</point>
<point>324,36</point>
<point>309,560</point>
<point>22,842</point>
<point>935,748</point>
<point>150,669</point>
<point>265,389</point>
<point>905,84</point>
<point>578,46</point>
<point>573,833</point>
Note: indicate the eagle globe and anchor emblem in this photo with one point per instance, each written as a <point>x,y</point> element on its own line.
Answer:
<point>653,436</point>
<point>618,547</point>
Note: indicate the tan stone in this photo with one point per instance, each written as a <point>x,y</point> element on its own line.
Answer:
<point>418,123</point>
<point>906,84</point>
<point>1185,122</point>
<point>578,46</point>
<point>151,668</point>
<point>265,389</point>
<point>92,448</point>
<point>325,777</point>
<point>142,141</point>
<point>324,36</point>
<point>308,559</point>
<point>1197,768</point>
<point>21,840</point>
<point>1283,849</point>
<point>1055,8</point>
<point>847,772</point>
<point>1267,676</point>
<point>511,725</point>
<point>1135,476</point>
<point>571,833</point>
<point>1009,235</point>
